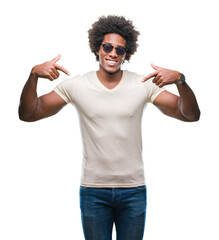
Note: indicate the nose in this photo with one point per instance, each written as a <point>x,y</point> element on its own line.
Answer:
<point>113,53</point>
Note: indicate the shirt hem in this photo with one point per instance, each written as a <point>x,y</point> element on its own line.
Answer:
<point>112,185</point>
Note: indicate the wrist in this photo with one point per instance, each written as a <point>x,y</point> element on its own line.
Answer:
<point>181,79</point>
<point>33,73</point>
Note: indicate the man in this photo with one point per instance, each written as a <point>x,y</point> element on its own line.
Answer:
<point>110,103</point>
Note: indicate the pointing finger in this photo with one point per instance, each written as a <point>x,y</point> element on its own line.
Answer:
<point>154,74</point>
<point>62,69</point>
<point>56,59</point>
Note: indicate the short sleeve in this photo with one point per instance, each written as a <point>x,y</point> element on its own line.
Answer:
<point>66,88</point>
<point>152,90</point>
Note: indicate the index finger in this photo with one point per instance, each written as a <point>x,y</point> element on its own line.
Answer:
<point>62,69</point>
<point>154,74</point>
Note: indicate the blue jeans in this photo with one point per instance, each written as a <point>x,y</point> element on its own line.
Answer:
<point>101,207</point>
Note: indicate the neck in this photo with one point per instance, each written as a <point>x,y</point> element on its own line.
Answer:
<point>105,76</point>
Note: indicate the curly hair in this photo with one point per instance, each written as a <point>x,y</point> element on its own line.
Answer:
<point>113,24</point>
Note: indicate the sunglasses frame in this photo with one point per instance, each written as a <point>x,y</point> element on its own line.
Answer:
<point>117,49</point>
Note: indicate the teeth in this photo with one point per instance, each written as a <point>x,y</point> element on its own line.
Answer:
<point>111,62</point>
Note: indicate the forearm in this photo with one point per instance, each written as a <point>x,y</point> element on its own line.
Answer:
<point>28,100</point>
<point>187,103</point>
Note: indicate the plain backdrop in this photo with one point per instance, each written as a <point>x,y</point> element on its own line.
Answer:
<point>40,162</point>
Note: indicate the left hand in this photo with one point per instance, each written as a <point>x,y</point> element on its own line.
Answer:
<point>163,76</point>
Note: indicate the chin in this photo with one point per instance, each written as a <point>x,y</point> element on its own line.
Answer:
<point>111,70</point>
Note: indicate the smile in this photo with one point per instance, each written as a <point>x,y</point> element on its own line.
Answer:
<point>111,62</point>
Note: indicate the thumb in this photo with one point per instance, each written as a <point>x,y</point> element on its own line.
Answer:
<point>56,59</point>
<point>155,67</point>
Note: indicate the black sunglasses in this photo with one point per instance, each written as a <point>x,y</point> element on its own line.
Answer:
<point>120,51</point>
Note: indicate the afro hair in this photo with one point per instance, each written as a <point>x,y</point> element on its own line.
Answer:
<point>113,24</point>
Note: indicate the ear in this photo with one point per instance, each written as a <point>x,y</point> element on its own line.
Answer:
<point>97,52</point>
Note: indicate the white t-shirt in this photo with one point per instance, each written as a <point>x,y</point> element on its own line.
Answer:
<point>110,121</point>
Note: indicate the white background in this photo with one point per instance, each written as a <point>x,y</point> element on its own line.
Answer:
<point>41,162</point>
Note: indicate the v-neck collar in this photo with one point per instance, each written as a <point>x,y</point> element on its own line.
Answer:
<point>116,88</point>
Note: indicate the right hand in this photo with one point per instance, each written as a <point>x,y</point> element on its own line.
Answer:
<point>49,69</point>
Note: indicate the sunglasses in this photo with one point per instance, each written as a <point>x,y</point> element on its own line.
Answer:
<point>120,51</point>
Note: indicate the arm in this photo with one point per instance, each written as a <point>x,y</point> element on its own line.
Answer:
<point>183,107</point>
<point>32,107</point>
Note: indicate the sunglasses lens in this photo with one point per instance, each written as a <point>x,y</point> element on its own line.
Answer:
<point>107,48</point>
<point>120,51</point>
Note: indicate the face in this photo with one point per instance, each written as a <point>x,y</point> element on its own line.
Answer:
<point>111,62</point>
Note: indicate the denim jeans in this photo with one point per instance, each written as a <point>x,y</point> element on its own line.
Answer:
<point>101,207</point>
